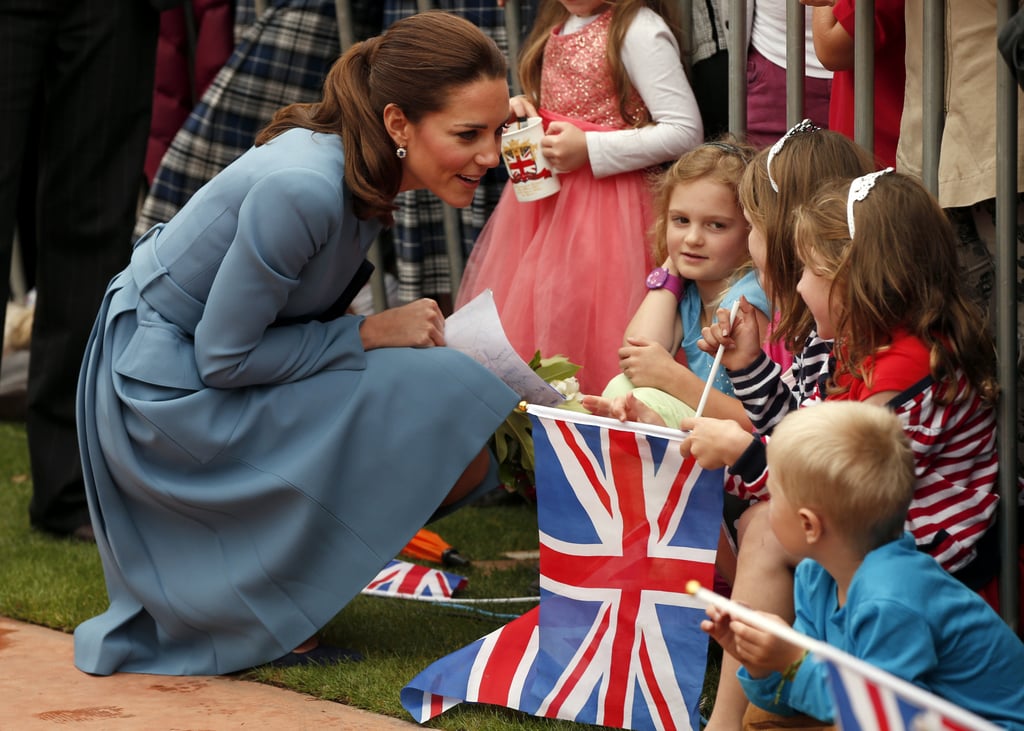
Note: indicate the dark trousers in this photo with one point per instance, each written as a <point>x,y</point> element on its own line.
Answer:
<point>76,77</point>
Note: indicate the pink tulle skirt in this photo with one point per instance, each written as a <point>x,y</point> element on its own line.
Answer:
<point>568,270</point>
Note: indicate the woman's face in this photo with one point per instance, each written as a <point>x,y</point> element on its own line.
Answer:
<point>450,150</point>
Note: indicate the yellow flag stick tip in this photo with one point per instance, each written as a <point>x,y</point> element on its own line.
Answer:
<point>692,586</point>
<point>521,406</point>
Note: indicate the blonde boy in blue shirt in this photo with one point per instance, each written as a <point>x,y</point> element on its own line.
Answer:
<point>841,480</point>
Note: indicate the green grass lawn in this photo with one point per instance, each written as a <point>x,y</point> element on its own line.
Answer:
<point>58,583</point>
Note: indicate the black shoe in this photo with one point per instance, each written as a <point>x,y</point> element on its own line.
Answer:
<point>319,655</point>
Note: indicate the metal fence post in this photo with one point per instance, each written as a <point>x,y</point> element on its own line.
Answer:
<point>512,22</point>
<point>737,43</point>
<point>1006,320</point>
<point>933,81</point>
<point>796,63</point>
<point>686,31</point>
<point>346,38</point>
<point>864,74</point>
<point>449,217</point>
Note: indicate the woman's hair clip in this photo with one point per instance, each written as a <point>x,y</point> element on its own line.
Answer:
<point>731,149</point>
<point>798,128</point>
<point>859,189</point>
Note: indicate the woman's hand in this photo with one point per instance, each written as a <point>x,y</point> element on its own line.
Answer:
<point>742,340</point>
<point>714,443</point>
<point>646,363</point>
<point>418,324</point>
<point>565,146</point>
<point>520,108</point>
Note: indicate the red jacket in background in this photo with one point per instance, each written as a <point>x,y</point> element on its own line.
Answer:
<point>173,87</point>
<point>890,78</point>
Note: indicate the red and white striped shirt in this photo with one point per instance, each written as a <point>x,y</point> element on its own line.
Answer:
<point>954,446</point>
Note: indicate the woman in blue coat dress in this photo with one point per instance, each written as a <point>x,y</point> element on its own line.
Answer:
<point>252,458</point>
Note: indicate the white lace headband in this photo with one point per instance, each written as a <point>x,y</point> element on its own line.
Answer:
<point>798,128</point>
<point>859,189</point>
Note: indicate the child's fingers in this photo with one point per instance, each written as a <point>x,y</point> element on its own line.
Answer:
<point>520,107</point>
<point>715,613</point>
<point>711,338</point>
<point>596,405</point>
<point>556,128</point>
<point>725,318</point>
<point>619,409</point>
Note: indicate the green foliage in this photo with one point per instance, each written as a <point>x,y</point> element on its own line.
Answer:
<point>512,442</point>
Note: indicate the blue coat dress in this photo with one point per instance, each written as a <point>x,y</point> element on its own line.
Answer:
<point>248,468</point>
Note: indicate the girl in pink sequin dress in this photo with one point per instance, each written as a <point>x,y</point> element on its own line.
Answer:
<point>568,271</point>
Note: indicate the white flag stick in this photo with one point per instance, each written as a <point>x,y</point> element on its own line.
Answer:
<point>717,363</point>
<point>606,422</point>
<point>756,619</point>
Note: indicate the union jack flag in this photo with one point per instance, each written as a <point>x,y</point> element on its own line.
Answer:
<point>624,523</point>
<point>401,578</point>
<point>869,699</point>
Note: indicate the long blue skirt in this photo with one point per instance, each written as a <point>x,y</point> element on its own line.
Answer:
<point>233,524</point>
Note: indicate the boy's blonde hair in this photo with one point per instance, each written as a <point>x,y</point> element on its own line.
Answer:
<point>850,461</point>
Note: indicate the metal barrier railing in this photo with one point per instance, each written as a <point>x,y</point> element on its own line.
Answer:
<point>864,74</point>
<point>1006,318</point>
<point>796,65</point>
<point>933,37</point>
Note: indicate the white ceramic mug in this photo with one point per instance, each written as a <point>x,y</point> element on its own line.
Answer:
<point>532,176</point>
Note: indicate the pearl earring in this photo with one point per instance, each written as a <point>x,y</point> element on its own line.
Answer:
<point>401,152</point>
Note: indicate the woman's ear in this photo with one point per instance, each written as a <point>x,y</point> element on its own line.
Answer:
<point>396,124</point>
<point>811,523</point>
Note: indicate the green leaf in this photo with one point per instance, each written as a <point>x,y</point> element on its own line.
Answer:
<point>500,445</point>
<point>523,434</point>
<point>556,369</point>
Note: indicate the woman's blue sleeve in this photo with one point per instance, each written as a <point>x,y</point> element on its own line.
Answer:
<point>284,221</point>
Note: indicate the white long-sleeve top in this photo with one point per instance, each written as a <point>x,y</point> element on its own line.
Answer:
<point>650,56</point>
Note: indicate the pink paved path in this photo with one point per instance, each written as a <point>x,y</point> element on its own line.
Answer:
<point>40,688</point>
